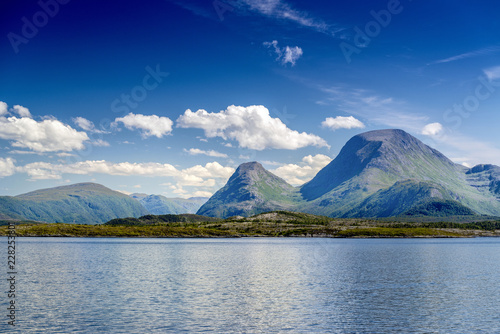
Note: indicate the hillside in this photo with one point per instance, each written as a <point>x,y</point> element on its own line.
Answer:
<point>83,203</point>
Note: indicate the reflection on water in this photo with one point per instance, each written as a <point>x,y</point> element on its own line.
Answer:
<point>115,285</point>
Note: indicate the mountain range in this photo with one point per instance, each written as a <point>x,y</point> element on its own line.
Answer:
<point>90,203</point>
<point>383,173</point>
<point>83,203</point>
<point>379,173</point>
<point>161,205</point>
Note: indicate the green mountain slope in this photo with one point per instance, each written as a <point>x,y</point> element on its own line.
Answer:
<point>251,190</point>
<point>83,203</point>
<point>161,205</point>
<point>410,197</point>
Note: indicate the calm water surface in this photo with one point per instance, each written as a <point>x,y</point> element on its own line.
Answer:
<point>114,285</point>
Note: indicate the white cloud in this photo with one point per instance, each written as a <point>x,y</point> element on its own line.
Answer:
<point>464,149</point>
<point>251,127</point>
<point>382,110</point>
<point>476,53</point>
<point>292,54</point>
<point>287,54</point>
<point>100,142</point>
<point>150,125</point>
<point>202,194</point>
<point>207,178</point>
<point>210,153</point>
<point>49,135</point>
<point>3,108</point>
<point>210,170</point>
<point>317,161</point>
<point>432,129</point>
<point>341,122</point>
<point>300,174</point>
<point>86,125</point>
<point>22,111</point>
<point>24,152</point>
<point>7,167</point>
<point>279,9</point>
<point>65,155</point>
<point>493,73</point>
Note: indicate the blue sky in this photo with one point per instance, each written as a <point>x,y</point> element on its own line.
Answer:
<point>169,97</point>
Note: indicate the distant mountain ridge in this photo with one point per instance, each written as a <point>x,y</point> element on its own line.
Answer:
<point>83,203</point>
<point>376,174</point>
<point>161,205</point>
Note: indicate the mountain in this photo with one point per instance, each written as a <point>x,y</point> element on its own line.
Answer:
<point>83,203</point>
<point>379,173</point>
<point>161,205</point>
<point>387,172</point>
<point>251,190</point>
<point>486,178</point>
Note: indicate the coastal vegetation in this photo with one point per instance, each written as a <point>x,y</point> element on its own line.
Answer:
<point>270,224</point>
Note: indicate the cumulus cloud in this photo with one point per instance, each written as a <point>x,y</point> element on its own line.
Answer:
<point>49,135</point>
<point>252,127</point>
<point>432,129</point>
<point>210,153</point>
<point>492,73</point>
<point>298,174</point>
<point>7,167</point>
<point>102,167</point>
<point>3,108</point>
<point>21,111</point>
<point>150,125</point>
<point>202,194</point>
<point>287,54</point>
<point>341,122</point>
<point>207,178</point>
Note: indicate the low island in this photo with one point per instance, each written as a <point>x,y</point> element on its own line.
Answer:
<point>269,224</point>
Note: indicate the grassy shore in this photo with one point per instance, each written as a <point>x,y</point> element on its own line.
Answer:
<point>274,224</point>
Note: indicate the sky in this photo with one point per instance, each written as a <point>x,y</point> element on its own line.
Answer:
<point>168,97</point>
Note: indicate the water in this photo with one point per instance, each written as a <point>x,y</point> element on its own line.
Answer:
<point>113,285</point>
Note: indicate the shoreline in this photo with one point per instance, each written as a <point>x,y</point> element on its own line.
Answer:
<point>245,230</point>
